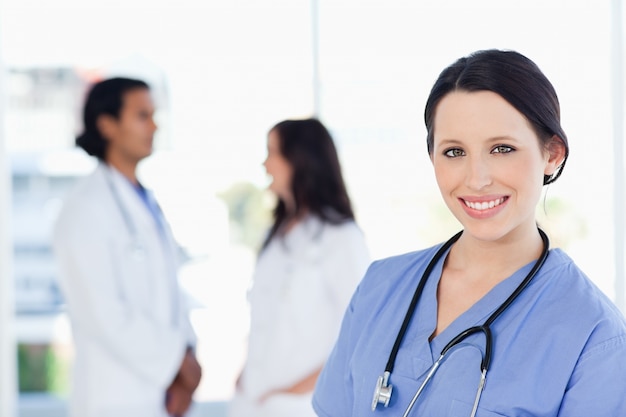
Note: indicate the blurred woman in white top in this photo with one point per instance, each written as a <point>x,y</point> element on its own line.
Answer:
<point>309,265</point>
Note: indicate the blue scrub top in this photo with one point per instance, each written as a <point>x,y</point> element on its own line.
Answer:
<point>559,349</point>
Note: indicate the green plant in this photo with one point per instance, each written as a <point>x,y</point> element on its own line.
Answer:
<point>42,368</point>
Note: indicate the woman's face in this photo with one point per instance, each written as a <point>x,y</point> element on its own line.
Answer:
<point>277,167</point>
<point>489,164</point>
<point>131,135</point>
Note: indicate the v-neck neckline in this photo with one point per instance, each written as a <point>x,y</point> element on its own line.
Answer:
<point>473,316</point>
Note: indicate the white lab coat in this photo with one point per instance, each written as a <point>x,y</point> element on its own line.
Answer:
<point>302,285</point>
<point>129,318</point>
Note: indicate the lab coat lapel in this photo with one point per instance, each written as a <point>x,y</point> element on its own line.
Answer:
<point>167,238</point>
<point>159,245</point>
<point>138,212</point>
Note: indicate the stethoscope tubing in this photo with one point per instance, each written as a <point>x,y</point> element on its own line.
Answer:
<point>128,222</point>
<point>432,371</point>
<point>484,328</point>
<point>416,296</point>
<point>137,248</point>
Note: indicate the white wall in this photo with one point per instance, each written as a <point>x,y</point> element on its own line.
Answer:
<point>617,74</point>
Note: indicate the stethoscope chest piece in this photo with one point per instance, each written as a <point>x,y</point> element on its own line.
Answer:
<point>382,393</point>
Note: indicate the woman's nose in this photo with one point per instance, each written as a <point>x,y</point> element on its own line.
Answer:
<point>478,173</point>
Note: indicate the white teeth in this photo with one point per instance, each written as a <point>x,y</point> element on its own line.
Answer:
<point>484,205</point>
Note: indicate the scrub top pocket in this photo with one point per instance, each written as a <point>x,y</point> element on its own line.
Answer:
<point>463,409</point>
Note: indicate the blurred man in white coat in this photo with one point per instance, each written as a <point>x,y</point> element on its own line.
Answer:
<point>118,271</point>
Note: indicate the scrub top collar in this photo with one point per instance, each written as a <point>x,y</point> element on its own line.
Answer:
<point>429,351</point>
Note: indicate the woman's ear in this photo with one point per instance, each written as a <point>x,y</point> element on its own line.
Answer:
<point>106,125</point>
<point>556,154</point>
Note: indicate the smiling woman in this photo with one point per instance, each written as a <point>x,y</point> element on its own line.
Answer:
<point>491,293</point>
<point>487,160</point>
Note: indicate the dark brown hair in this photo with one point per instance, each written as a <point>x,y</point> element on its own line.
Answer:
<point>105,97</point>
<point>515,78</point>
<point>317,184</point>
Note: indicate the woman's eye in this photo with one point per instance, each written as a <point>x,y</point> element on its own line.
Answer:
<point>454,152</point>
<point>502,149</point>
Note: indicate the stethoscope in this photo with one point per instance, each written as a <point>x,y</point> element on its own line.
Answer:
<point>136,249</point>
<point>382,392</point>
